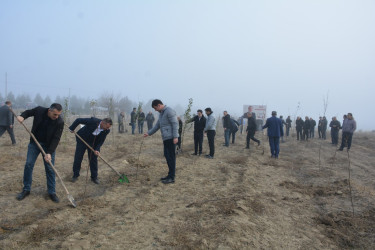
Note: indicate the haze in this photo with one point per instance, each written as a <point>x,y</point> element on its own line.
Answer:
<point>223,54</point>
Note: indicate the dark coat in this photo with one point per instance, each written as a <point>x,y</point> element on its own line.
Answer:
<point>288,122</point>
<point>234,125</point>
<point>299,124</point>
<point>91,124</point>
<point>199,124</point>
<point>6,116</point>
<point>306,125</point>
<point>275,127</point>
<point>227,124</point>
<point>335,125</point>
<point>54,130</point>
<point>251,125</point>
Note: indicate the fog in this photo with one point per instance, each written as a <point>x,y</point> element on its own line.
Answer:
<point>223,54</point>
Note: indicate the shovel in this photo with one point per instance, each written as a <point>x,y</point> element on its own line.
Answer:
<point>122,178</point>
<point>70,197</point>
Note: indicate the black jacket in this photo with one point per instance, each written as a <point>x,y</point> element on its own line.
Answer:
<point>288,122</point>
<point>299,124</point>
<point>227,124</point>
<point>54,131</point>
<point>251,125</point>
<point>335,125</point>
<point>199,124</point>
<point>306,125</point>
<point>91,124</point>
<point>6,116</point>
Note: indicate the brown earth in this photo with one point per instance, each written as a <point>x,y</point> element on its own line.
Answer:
<point>242,199</point>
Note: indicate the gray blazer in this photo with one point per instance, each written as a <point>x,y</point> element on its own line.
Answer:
<point>167,124</point>
<point>6,117</point>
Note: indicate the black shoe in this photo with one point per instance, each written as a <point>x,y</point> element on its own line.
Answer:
<point>74,178</point>
<point>164,178</point>
<point>194,154</point>
<point>247,148</point>
<point>168,181</point>
<point>54,198</point>
<point>96,180</point>
<point>340,149</point>
<point>22,195</point>
<point>209,157</point>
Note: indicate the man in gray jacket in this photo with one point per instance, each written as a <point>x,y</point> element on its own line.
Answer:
<point>7,121</point>
<point>348,127</point>
<point>168,126</point>
<point>210,130</point>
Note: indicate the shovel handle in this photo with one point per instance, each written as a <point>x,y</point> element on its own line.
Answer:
<point>93,150</point>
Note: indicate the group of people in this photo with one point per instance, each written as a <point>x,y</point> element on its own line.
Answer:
<point>136,117</point>
<point>48,126</point>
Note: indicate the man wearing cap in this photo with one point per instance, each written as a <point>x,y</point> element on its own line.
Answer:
<point>275,131</point>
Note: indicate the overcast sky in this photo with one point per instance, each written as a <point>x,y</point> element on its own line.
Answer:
<point>223,54</point>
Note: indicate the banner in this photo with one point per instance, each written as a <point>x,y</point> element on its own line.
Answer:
<point>260,112</point>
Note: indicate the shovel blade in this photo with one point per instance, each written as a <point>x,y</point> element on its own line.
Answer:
<point>123,179</point>
<point>71,199</point>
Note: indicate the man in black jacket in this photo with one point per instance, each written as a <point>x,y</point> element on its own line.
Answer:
<point>133,119</point>
<point>251,128</point>
<point>227,126</point>
<point>94,133</point>
<point>288,125</point>
<point>312,127</point>
<point>320,124</point>
<point>47,129</point>
<point>324,127</point>
<point>306,128</point>
<point>199,124</point>
<point>335,127</point>
<point>7,121</point>
<point>299,127</point>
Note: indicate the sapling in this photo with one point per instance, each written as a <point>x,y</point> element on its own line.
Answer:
<point>187,116</point>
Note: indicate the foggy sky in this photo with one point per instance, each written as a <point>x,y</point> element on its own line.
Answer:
<point>223,54</point>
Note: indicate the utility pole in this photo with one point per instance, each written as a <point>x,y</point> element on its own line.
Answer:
<point>6,85</point>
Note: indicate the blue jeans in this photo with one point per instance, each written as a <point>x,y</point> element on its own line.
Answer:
<point>133,127</point>
<point>170,156</point>
<point>32,154</point>
<point>274,145</point>
<point>140,127</point>
<point>227,136</point>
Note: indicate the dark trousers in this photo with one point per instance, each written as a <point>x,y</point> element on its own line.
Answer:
<point>287,130</point>
<point>305,134</point>
<point>179,142</point>
<point>335,136</point>
<point>312,132</point>
<point>149,125</point>
<point>10,132</point>
<point>32,154</point>
<point>250,135</point>
<point>274,145</point>
<point>346,140</point>
<point>211,141</point>
<point>299,134</point>
<point>170,156</point>
<point>78,157</point>
<point>198,141</point>
<point>319,132</point>
<point>233,135</point>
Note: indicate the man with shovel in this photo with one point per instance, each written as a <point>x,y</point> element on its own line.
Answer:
<point>94,133</point>
<point>47,129</point>
<point>168,126</point>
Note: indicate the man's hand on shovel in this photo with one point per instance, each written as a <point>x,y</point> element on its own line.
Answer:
<point>47,157</point>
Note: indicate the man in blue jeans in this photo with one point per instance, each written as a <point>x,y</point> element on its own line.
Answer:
<point>168,126</point>
<point>47,129</point>
<point>274,131</point>
<point>227,127</point>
